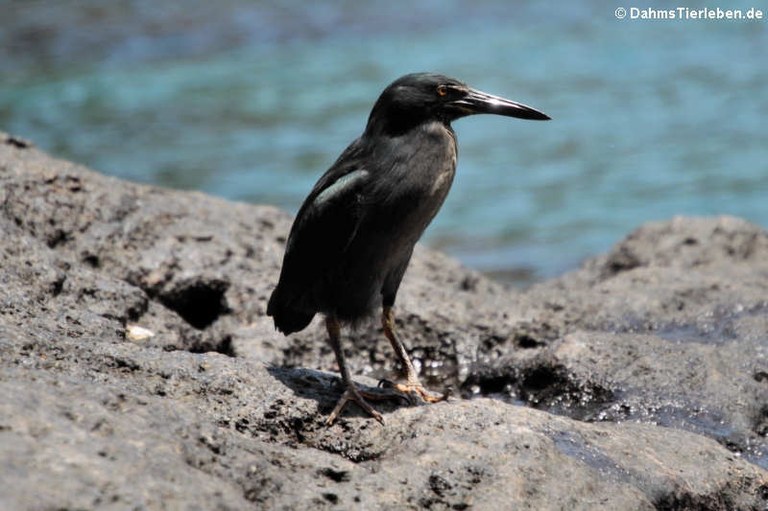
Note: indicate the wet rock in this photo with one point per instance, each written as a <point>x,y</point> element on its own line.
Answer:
<point>644,373</point>
<point>670,341</point>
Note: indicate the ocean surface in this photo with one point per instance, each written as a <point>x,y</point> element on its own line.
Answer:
<point>252,101</point>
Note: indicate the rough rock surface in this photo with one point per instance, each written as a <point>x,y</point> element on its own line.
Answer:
<point>637,382</point>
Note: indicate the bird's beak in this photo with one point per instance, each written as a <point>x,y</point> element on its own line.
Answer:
<point>479,102</point>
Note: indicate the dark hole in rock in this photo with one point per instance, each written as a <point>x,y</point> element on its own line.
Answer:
<point>439,484</point>
<point>682,501</point>
<point>18,142</point>
<point>223,346</point>
<point>58,237</point>
<point>496,385</point>
<point>541,378</point>
<point>526,341</point>
<point>200,302</point>
<point>331,497</point>
<point>92,260</point>
<point>620,261</point>
<point>761,421</point>
<point>58,284</point>
<point>337,476</point>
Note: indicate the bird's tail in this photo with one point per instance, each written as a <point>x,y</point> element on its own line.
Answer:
<point>288,319</point>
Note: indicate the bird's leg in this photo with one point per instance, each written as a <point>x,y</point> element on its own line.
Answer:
<point>412,384</point>
<point>351,393</point>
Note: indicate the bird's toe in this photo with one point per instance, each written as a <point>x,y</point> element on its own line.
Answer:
<point>351,394</point>
<point>416,392</point>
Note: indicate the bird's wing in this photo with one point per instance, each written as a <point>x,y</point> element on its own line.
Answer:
<point>325,224</point>
<point>331,212</point>
<point>329,218</point>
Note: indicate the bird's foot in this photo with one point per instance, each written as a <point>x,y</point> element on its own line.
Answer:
<point>355,395</point>
<point>414,391</point>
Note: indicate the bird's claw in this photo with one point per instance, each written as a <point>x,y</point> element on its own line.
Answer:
<point>415,392</point>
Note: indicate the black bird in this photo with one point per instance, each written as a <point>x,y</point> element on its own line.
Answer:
<point>354,235</point>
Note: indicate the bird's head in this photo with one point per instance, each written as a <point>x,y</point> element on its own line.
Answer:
<point>423,97</point>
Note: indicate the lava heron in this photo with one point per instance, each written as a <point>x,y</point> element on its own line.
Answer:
<point>354,234</point>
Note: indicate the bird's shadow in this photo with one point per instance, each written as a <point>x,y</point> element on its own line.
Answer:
<point>326,389</point>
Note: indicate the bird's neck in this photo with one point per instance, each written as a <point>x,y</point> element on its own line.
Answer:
<point>398,125</point>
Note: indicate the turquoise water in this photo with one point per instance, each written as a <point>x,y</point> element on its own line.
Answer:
<point>253,101</point>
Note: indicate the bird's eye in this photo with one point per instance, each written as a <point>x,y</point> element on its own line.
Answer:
<point>442,90</point>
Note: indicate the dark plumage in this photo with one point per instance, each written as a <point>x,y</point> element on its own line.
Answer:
<point>354,234</point>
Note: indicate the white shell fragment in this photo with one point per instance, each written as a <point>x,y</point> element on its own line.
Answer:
<point>138,333</point>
